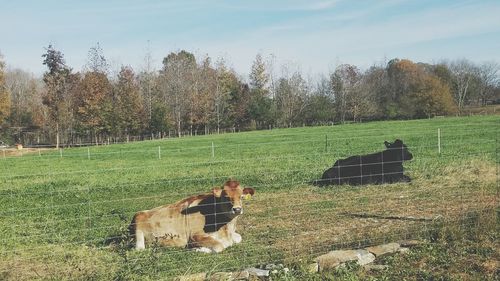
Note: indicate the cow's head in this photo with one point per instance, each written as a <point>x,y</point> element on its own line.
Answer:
<point>229,198</point>
<point>399,149</point>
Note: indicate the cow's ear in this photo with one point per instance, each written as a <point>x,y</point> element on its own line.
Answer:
<point>217,192</point>
<point>387,144</point>
<point>248,191</point>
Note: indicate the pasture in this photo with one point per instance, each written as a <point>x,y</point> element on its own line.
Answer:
<point>64,214</point>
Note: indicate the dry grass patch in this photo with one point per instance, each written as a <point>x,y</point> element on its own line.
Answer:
<point>307,219</point>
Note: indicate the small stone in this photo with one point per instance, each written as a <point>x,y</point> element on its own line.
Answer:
<point>192,277</point>
<point>383,250</point>
<point>270,266</point>
<point>258,272</point>
<point>286,270</point>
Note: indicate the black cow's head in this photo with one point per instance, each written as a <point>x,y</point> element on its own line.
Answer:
<point>399,149</point>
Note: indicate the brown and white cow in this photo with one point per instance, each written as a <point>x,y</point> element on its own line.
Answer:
<point>206,222</point>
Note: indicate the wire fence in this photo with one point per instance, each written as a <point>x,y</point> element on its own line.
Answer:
<point>66,213</point>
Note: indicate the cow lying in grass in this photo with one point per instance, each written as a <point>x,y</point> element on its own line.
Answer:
<point>376,168</point>
<point>205,222</point>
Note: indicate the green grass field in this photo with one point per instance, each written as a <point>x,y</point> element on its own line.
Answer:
<point>64,214</point>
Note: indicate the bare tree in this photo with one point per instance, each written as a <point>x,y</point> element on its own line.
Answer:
<point>224,82</point>
<point>361,102</point>
<point>463,72</point>
<point>291,96</point>
<point>375,85</point>
<point>344,81</point>
<point>487,74</point>
<point>26,100</point>
<point>147,81</point>
<point>96,62</point>
<point>272,77</point>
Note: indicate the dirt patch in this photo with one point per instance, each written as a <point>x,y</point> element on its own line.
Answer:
<point>13,152</point>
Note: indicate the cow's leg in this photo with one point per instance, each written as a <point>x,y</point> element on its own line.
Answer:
<point>236,237</point>
<point>206,243</point>
<point>139,240</point>
<point>203,250</point>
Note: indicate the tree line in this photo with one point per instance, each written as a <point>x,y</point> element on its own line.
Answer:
<point>190,95</point>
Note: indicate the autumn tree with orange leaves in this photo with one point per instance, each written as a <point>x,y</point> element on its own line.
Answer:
<point>128,109</point>
<point>415,93</point>
<point>93,104</point>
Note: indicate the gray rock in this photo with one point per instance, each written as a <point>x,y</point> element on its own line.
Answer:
<point>258,272</point>
<point>335,258</point>
<point>270,266</point>
<point>364,257</point>
<point>385,249</point>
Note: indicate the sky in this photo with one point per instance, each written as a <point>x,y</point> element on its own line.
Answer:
<point>312,35</point>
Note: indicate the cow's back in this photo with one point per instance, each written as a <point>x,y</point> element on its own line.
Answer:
<point>348,169</point>
<point>358,169</point>
<point>167,225</point>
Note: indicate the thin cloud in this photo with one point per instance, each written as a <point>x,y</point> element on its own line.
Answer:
<point>318,6</point>
<point>278,6</point>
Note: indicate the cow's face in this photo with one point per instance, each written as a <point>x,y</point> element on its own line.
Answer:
<point>230,197</point>
<point>400,149</point>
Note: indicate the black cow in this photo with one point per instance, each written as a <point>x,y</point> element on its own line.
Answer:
<point>376,168</point>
